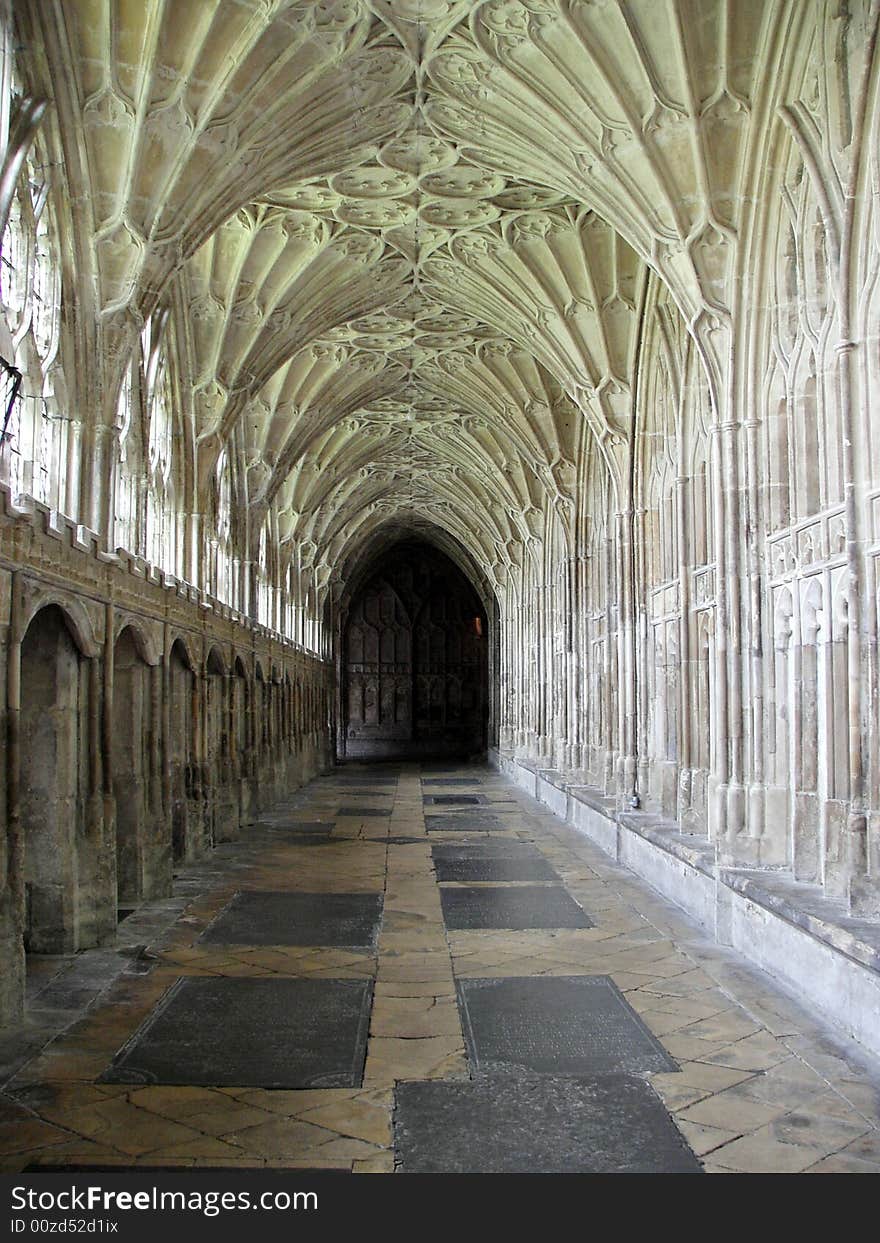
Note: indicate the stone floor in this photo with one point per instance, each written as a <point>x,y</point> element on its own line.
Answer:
<point>759,1085</point>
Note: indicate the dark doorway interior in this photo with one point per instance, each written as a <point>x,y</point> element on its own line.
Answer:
<point>415,667</point>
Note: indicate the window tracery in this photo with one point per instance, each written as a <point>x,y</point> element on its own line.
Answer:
<point>30,292</point>
<point>222,538</point>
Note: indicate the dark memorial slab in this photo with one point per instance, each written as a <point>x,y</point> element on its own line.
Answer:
<point>255,918</point>
<point>493,848</point>
<point>49,1167</point>
<point>556,1025</point>
<point>453,800</point>
<point>364,772</point>
<point>363,780</point>
<point>297,827</point>
<point>369,766</point>
<point>375,789</point>
<point>364,811</point>
<point>251,1033</point>
<point>523,906</point>
<point>452,781</point>
<point>463,822</point>
<point>613,1124</point>
<point>459,866</point>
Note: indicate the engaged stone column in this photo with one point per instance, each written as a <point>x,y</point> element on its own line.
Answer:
<point>12,978</point>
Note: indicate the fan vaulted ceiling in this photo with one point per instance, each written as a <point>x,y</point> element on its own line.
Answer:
<point>410,236</point>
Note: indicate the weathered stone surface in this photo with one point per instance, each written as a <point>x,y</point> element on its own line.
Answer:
<point>578,300</point>
<point>266,1033</point>
<point>464,822</point>
<point>491,861</point>
<point>334,919</point>
<point>575,1025</point>
<point>450,781</point>
<point>53,1115</point>
<point>606,1125</point>
<point>453,800</point>
<point>520,906</point>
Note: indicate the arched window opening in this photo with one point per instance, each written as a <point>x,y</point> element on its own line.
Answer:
<point>30,288</point>
<point>222,539</point>
<point>264,590</point>
<point>161,499</point>
<point>126,509</point>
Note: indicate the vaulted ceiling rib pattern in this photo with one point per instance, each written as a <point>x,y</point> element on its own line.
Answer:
<point>411,236</point>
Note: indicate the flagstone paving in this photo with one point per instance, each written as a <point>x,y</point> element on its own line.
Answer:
<point>759,1085</point>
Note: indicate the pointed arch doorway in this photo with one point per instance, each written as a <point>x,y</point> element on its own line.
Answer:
<point>415,659</point>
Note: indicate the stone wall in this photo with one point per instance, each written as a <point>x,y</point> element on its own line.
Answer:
<point>690,622</point>
<point>692,631</point>
<point>609,339</point>
<point>144,723</point>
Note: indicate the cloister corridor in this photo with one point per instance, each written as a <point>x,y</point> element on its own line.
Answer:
<point>439,586</point>
<point>424,932</point>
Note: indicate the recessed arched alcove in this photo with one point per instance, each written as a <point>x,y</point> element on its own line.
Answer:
<point>414,656</point>
<point>54,784</point>
<point>181,698</point>
<point>131,734</point>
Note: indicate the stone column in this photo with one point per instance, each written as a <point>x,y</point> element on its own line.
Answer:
<point>864,891</point>
<point>97,853</point>
<point>718,780</point>
<point>685,758</point>
<point>202,791</point>
<point>191,547</point>
<point>109,799</point>
<point>96,723</point>
<point>156,837</point>
<point>231,750</point>
<point>73,477</point>
<point>155,743</point>
<point>165,740</point>
<point>98,481</point>
<point>12,979</point>
<point>627,656</point>
<point>765,851</point>
<point>608,742</point>
<point>735,850</point>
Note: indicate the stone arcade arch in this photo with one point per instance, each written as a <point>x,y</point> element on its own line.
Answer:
<point>56,778</point>
<point>276,749</point>
<point>186,803</point>
<point>242,750</point>
<point>222,799</point>
<point>584,295</point>
<point>414,658</point>
<point>141,861</point>
<point>263,793</point>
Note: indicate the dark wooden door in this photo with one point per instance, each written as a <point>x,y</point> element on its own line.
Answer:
<point>415,666</point>
<point>379,665</point>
